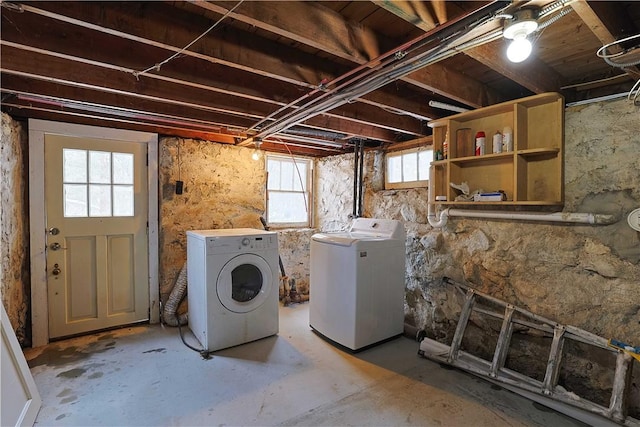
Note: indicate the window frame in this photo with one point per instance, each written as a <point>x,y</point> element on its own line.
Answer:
<point>424,183</point>
<point>308,193</point>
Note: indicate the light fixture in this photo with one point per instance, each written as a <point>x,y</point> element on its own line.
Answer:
<point>256,152</point>
<point>517,29</point>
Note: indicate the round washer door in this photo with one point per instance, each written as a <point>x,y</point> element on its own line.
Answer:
<point>244,283</point>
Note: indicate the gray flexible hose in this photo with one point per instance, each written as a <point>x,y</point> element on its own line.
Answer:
<point>169,314</point>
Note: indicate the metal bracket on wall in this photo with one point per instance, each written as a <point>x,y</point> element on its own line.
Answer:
<point>547,392</point>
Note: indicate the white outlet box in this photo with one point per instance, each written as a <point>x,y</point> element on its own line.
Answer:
<point>634,219</point>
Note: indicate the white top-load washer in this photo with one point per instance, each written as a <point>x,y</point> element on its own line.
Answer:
<point>232,285</point>
<point>356,289</point>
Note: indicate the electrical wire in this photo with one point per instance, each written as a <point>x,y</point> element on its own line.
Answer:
<point>636,97</point>
<point>206,354</point>
<point>157,66</point>
<point>602,53</point>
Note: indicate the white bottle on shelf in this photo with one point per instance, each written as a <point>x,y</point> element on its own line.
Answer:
<point>497,142</point>
<point>507,139</point>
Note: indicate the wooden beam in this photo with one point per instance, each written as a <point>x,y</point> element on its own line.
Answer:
<point>231,48</point>
<point>291,20</point>
<point>607,22</point>
<point>536,76</point>
<point>533,74</point>
<point>70,72</point>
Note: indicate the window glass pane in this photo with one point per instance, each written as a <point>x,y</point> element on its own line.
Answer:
<point>273,168</point>
<point>74,165</point>
<point>99,200</point>
<point>99,167</point>
<point>123,200</point>
<point>410,167</point>
<point>287,175</point>
<point>424,158</point>
<point>75,200</point>
<point>287,208</point>
<point>122,168</point>
<point>299,174</point>
<point>394,168</point>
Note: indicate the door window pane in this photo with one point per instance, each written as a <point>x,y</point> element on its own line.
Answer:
<point>123,200</point>
<point>106,172</point>
<point>75,200</point>
<point>99,200</point>
<point>74,166</point>
<point>122,168</point>
<point>99,167</point>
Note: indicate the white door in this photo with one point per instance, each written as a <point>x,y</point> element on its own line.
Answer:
<point>20,398</point>
<point>96,224</point>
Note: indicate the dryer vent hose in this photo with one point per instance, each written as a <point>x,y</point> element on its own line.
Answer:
<point>169,314</point>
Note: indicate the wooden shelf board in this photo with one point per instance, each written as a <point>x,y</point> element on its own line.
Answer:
<point>480,159</point>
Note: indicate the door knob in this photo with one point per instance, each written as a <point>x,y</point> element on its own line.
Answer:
<point>56,270</point>
<point>54,246</point>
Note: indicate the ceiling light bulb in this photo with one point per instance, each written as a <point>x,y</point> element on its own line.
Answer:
<point>256,154</point>
<point>519,49</point>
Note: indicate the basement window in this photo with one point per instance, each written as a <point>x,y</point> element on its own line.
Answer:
<point>408,168</point>
<point>289,186</point>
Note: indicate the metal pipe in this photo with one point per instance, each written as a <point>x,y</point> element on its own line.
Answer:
<point>369,83</point>
<point>444,106</point>
<point>355,179</point>
<point>361,180</point>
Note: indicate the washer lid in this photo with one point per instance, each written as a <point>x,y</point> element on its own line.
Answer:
<point>244,283</point>
<point>340,239</point>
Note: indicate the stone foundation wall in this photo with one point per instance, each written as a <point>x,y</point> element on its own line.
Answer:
<point>14,226</point>
<point>581,275</point>
<point>223,188</point>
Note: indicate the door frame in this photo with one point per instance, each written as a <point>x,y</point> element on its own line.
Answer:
<point>37,131</point>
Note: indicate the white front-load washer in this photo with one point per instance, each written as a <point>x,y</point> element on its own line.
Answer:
<point>232,285</point>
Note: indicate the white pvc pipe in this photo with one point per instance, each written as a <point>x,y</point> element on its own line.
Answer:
<point>567,217</point>
<point>431,215</point>
<point>438,221</point>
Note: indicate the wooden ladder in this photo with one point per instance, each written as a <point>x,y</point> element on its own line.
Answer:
<point>547,392</point>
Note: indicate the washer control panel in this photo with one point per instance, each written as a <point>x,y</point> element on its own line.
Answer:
<point>241,244</point>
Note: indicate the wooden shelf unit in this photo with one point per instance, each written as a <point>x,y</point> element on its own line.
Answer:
<point>531,174</point>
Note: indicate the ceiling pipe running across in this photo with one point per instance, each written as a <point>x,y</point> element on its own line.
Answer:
<point>401,64</point>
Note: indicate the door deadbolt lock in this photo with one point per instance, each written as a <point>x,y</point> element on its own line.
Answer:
<point>56,270</point>
<point>54,231</point>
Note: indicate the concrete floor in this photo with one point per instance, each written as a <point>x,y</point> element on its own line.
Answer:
<point>144,375</point>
